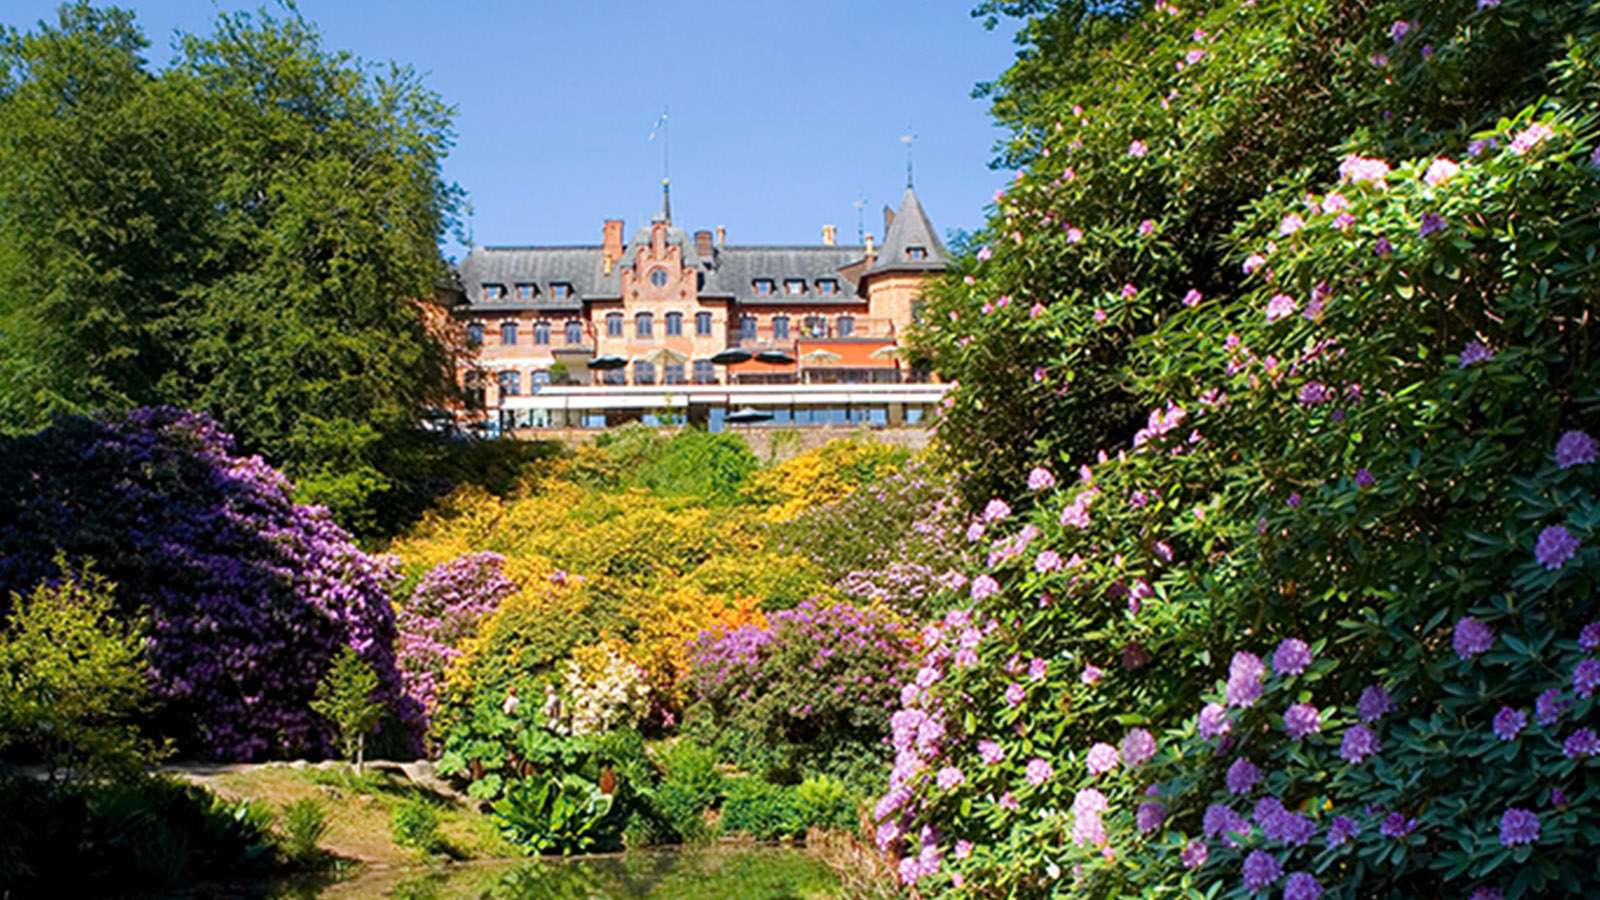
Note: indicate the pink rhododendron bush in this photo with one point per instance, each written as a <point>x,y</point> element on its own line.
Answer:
<point>1322,623</point>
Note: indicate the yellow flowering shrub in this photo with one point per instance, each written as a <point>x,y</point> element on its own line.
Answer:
<point>821,476</point>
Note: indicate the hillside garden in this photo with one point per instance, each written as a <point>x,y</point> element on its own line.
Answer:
<point>1254,555</point>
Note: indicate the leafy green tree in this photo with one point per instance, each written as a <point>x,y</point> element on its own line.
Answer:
<point>253,230</point>
<point>344,698</point>
<point>72,679</point>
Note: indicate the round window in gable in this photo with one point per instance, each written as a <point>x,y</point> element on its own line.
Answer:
<point>658,277</point>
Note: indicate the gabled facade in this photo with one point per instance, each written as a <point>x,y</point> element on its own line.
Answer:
<point>655,328</point>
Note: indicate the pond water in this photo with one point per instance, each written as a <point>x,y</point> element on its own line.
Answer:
<point>712,873</point>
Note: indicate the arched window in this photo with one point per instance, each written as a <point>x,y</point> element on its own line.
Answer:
<point>644,372</point>
<point>541,333</point>
<point>574,331</point>
<point>474,334</point>
<point>846,326</point>
<point>613,324</point>
<point>508,334</point>
<point>747,327</point>
<point>780,328</point>
<point>510,382</point>
<point>643,325</point>
<point>702,324</point>
<point>674,324</point>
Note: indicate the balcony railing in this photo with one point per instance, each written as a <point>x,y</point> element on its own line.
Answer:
<point>830,328</point>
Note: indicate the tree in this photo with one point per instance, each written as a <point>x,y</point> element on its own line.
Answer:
<point>72,678</point>
<point>252,231</point>
<point>344,698</point>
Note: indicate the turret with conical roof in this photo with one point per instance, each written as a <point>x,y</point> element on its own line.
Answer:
<point>911,244</point>
<point>897,273</point>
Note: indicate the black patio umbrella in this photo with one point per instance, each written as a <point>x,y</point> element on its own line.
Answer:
<point>775,357</point>
<point>729,357</point>
<point>606,362</point>
<point>748,414</point>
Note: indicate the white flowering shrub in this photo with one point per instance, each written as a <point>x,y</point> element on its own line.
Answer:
<point>601,690</point>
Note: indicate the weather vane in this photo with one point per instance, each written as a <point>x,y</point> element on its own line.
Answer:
<point>908,138</point>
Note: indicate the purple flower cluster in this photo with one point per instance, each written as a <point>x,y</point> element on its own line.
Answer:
<point>1292,657</point>
<point>1518,826</point>
<point>249,595</point>
<point>1242,776</point>
<point>443,611</point>
<point>1359,743</point>
<point>1244,680</point>
<point>1471,638</point>
<point>1261,869</point>
<point>1300,720</point>
<point>1555,546</point>
<point>1576,448</point>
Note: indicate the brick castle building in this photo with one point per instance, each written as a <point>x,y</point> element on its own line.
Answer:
<point>672,328</point>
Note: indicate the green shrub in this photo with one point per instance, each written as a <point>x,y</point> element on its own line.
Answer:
<point>72,679</point>
<point>142,835</point>
<point>690,785</point>
<point>559,814</point>
<point>415,824</point>
<point>762,810</point>
<point>823,801</point>
<point>305,824</point>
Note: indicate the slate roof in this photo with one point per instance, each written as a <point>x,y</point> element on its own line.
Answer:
<point>542,266</point>
<point>729,273</point>
<point>910,228</point>
<point>736,269</point>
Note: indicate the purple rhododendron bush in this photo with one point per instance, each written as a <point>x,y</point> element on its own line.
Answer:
<point>246,596</point>
<point>1322,623</point>
<point>813,690</point>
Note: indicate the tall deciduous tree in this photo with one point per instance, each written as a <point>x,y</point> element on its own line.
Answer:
<point>252,230</point>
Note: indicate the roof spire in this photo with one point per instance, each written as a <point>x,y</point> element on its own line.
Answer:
<point>662,126</point>
<point>907,139</point>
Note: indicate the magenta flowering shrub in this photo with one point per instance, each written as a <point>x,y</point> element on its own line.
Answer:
<point>818,683</point>
<point>246,595</point>
<point>444,609</point>
<point>1346,534</point>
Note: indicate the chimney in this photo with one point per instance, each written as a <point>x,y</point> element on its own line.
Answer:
<point>702,243</point>
<point>870,254</point>
<point>611,246</point>
<point>722,235</point>
<point>829,233</point>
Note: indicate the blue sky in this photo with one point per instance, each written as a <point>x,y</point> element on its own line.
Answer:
<point>782,115</point>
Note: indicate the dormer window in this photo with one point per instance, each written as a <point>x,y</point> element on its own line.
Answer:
<point>827,287</point>
<point>763,287</point>
<point>494,291</point>
<point>560,290</point>
<point>916,253</point>
<point>794,287</point>
<point>524,292</point>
